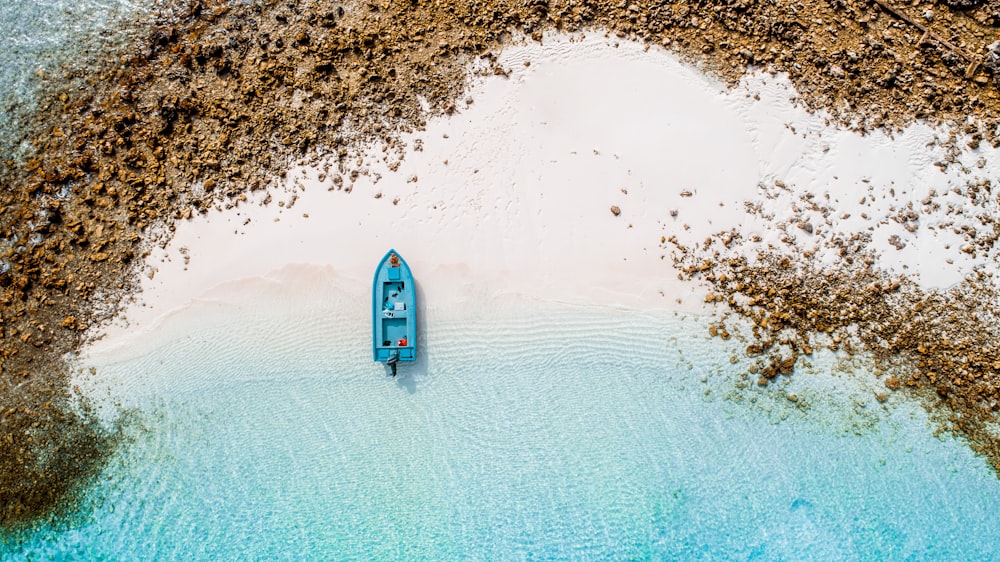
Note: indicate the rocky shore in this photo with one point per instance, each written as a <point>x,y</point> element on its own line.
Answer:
<point>221,97</point>
<point>936,346</point>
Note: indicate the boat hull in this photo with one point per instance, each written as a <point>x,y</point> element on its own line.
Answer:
<point>394,311</point>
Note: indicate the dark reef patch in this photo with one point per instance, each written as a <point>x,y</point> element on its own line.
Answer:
<point>54,447</point>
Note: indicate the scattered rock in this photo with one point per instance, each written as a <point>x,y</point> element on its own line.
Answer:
<point>991,61</point>
<point>937,346</point>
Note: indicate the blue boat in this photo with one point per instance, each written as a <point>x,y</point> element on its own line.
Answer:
<point>394,312</point>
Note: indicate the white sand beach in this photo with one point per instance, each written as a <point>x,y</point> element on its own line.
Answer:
<point>514,193</point>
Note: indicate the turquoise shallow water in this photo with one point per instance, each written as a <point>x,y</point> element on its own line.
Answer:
<point>526,431</point>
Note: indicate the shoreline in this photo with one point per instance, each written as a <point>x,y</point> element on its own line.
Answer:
<point>787,191</point>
